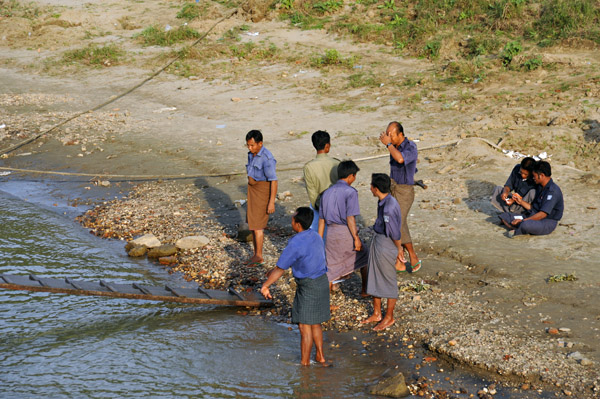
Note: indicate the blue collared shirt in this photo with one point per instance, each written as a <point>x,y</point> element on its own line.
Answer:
<point>404,173</point>
<point>261,167</point>
<point>305,254</point>
<point>338,202</point>
<point>548,199</point>
<point>516,183</point>
<point>389,218</point>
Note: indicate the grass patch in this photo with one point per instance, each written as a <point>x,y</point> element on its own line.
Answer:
<point>189,12</point>
<point>95,55</point>
<point>342,107</point>
<point>362,79</point>
<point>155,36</point>
<point>332,57</point>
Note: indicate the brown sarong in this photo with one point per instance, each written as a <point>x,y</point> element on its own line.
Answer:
<point>341,257</point>
<point>258,200</point>
<point>405,195</point>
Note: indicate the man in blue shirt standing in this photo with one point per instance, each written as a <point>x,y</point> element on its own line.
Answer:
<point>403,166</point>
<point>262,189</point>
<point>339,207</point>
<point>542,215</point>
<point>306,256</point>
<point>386,253</point>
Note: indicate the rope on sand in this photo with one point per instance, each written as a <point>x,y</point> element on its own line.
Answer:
<point>227,174</point>
<point>113,99</point>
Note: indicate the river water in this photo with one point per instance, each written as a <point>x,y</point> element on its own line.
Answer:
<point>62,346</point>
<point>54,345</point>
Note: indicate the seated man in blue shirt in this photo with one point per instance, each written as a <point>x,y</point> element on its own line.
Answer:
<point>541,215</point>
<point>305,254</point>
<point>521,182</point>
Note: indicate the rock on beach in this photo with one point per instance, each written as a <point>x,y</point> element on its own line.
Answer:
<point>149,240</point>
<point>393,386</point>
<point>162,251</point>
<point>192,242</point>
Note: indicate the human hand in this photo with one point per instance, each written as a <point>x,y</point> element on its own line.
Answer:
<point>385,138</point>
<point>517,198</point>
<point>516,222</point>
<point>264,290</point>
<point>504,196</point>
<point>400,257</point>
<point>357,244</point>
<point>271,208</point>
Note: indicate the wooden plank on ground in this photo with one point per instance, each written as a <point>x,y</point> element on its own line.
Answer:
<point>132,291</point>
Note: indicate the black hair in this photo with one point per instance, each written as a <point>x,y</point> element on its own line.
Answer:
<point>398,126</point>
<point>347,168</point>
<point>304,215</point>
<point>527,164</point>
<point>254,134</point>
<point>542,167</point>
<point>381,182</point>
<point>320,139</point>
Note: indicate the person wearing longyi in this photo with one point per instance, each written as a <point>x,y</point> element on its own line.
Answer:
<point>339,207</point>
<point>386,254</point>
<point>319,173</point>
<point>403,166</point>
<point>541,216</point>
<point>305,255</point>
<point>520,182</point>
<point>262,189</point>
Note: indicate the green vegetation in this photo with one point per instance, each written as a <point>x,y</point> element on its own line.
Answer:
<point>155,36</point>
<point>332,57</point>
<point>94,55</point>
<point>489,32</point>
<point>561,277</point>
<point>362,79</point>
<point>189,12</point>
<point>14,8</point>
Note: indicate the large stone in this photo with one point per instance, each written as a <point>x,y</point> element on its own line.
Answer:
<point>192,242</point>
<point>137,251</point>
<point>163,250</point>
<point>391,385</point>
<point>148,240</point>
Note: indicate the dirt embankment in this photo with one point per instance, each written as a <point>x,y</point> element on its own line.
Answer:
<point>485,299</point>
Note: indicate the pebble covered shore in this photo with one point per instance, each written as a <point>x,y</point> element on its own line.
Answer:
<point>446,320</point>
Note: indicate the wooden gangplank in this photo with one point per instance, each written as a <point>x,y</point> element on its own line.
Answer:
<point>168,293</point>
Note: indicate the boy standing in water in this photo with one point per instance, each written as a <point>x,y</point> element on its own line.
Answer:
<point>305,254</point>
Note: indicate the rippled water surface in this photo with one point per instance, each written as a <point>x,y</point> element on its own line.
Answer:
<point>54,345</point>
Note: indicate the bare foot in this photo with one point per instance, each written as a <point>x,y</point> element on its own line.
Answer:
<point>372,319</point>
<point>254,261</point>
<point>364,294</point>
<point>383,325</point>
<point>325,363</point>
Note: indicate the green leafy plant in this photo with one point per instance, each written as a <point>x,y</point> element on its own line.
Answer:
<point>388,4</point>
<point>533,63</point>
<point>286,4</point>
<point>432,48</point>
<point>510,50</point>
<point>328,6</point>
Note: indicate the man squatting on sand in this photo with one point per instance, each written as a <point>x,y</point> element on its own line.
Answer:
<point>339,207</point>
<point>319,173</point>
<point>521,183</point>
<point>306,256</point>
<point>262,189</point>
<point>542,215</point>
<point>403,166</point>
<point>386,253</point>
